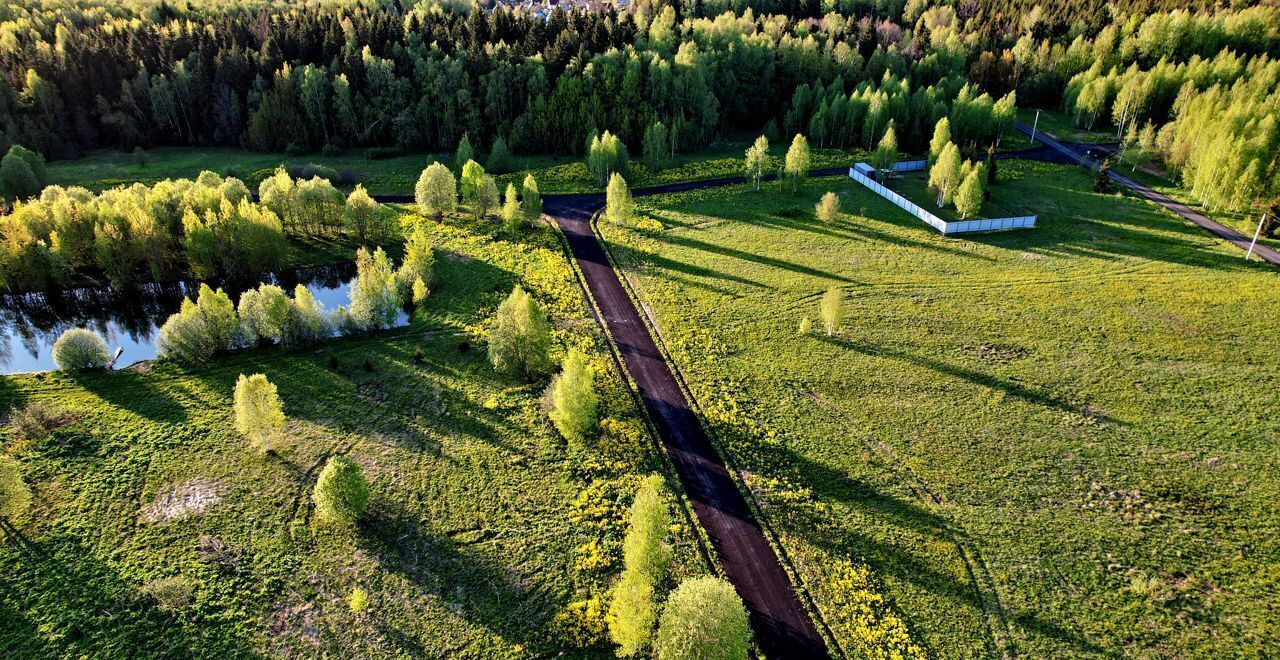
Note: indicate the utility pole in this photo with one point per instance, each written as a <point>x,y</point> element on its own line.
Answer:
<point>1034,124</point>
<point>1261,221</point>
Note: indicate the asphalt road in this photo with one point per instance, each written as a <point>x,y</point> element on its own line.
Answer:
<point>782,625</point>
<point>1076,153</point>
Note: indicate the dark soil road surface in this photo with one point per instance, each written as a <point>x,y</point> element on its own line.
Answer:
<point>782,625</point>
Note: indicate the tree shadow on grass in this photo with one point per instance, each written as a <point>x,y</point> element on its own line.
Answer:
<point>704,246</point>
<point>1033,625</point>
<point>462,577</point>
<point>1027,393</point>
<point>628,255</point>
<point>58,600</point>
<point>139,393</point>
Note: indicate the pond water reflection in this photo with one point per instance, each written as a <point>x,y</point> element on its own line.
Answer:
<point>130,319</point>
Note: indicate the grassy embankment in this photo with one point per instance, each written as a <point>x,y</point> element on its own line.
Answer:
<point>1081,415</point>
<point>485,535</point>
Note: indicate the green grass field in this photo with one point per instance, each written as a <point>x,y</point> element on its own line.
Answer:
<point>1077,421</point>
<point>485,536</point>
<point>1002,204</point>
<point>397,175</point>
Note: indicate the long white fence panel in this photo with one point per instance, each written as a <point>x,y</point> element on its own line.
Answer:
<point>860,172</point>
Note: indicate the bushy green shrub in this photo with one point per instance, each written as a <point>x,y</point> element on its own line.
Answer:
<point>36,419</point>
<point>521,336</point>
<point>375,295</point>
<point>171,594</point>
<point>341,492</point>
<point>574,400</point>
<point>703,619</point>
<point>201,328</point>
<point>259,414</point>
<point>78,349</point>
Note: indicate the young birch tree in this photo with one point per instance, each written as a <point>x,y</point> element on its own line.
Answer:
<point>521,336</point>
<point>436,191</point>
<point>757,161</point>
<point>259,416</point>
<point>619,207</point>
<point>828,208</point>
<point>832,310</point>
<point>797,161</point>
<point>969,197</point>
<point>574,401</point>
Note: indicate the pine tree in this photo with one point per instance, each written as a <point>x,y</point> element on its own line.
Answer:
<point>259,415</point>
<point>464,153</point>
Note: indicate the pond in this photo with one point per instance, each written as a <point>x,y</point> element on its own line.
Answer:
<point>130,319</point>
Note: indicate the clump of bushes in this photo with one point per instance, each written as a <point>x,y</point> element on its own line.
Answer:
<point>36,419</point>
<point>171,594</point>
<point>341,492</point>
<point>211,324</point>
<point>79,349</point>
<point>210,225</point>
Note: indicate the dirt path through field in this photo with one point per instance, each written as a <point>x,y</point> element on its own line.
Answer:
<point>782,625</point>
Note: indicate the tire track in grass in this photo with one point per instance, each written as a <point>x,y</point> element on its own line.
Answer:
<point>995,619</point>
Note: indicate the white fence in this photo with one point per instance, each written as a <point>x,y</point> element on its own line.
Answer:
<point>861,171</point>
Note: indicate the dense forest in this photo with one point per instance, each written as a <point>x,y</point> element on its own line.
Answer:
<point>315,77</point>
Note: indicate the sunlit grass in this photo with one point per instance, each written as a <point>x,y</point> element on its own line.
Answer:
<point>1085,409</point>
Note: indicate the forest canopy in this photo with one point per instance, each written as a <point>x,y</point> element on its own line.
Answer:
<point>277,77</point>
